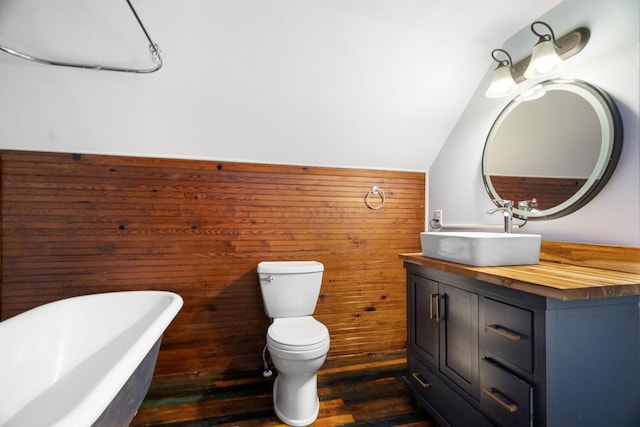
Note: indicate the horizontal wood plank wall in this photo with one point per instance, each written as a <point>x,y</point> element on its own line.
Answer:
<point>77,224</point>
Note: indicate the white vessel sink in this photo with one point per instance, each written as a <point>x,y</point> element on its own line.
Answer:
<point>482,249</point>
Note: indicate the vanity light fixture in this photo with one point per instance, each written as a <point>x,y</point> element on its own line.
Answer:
<point>547,57</point>
<point>502,83</point>
<point>544,57</point>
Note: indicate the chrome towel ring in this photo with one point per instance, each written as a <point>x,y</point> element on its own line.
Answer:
<point>376,192</point>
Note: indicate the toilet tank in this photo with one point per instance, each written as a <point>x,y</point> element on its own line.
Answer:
<point>290,288</point>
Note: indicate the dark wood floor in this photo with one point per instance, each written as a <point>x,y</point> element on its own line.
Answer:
<point>368,393</point>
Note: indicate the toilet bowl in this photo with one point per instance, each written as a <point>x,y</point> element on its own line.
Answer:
<point>298,343</point>
<point>297,357</point>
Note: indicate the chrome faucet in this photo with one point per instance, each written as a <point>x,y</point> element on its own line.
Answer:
<point>507,210</point>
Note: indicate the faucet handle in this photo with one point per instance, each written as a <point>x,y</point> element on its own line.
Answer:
<point>504,203</point>
<point>527,205</point>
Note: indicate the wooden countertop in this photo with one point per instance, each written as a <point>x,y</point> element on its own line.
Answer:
<point>567,271</point>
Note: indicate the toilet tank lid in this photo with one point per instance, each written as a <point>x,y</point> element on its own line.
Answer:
<point>289,267</point>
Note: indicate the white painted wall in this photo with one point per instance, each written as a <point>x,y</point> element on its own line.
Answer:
<point>358,83</point>
<point>611,61</point>
<point>353,83</point>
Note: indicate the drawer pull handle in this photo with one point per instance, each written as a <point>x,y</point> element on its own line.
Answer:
<point>431,306</point>
<point>497,329</point>
<point>492,394</point>
<point>434,300</point>
<point>420,380</point>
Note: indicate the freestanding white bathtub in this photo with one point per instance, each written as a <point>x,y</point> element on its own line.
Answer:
<point>83,361</point>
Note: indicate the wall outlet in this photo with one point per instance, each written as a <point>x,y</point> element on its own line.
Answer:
<point>436,221</point>
<point>437,216</point>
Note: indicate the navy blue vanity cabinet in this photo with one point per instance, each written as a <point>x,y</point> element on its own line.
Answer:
<point>480,354</point>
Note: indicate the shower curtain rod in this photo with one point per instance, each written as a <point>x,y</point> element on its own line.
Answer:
<point>154,49</point>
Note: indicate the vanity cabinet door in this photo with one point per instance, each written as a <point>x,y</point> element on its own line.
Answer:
<point>423,318</point>
<point>459,338</point>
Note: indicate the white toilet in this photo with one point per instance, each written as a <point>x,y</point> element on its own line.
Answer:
<point>298,343</point>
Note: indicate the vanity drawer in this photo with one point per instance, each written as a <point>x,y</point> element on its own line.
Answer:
<point>504,397</point>
<point>440,399</point>
<point>506,333</point>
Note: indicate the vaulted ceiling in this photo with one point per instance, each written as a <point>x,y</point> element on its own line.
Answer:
<point>357,83</point>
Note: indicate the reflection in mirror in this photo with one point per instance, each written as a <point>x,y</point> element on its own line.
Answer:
<point>553,147</point>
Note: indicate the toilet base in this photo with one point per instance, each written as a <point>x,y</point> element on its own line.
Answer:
<point>303,403</point>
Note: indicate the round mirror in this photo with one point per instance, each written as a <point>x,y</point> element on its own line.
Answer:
<point>552,149</point>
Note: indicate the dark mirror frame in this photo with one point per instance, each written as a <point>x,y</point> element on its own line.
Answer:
<point>583,194</point>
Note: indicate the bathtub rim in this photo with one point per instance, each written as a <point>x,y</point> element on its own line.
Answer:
<point>92,404</point>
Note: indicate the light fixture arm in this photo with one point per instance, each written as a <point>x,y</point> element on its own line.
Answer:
<point>502,62</point>
<point>545,37</point>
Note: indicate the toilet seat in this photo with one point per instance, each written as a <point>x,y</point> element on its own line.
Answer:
<point>297,334</point>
